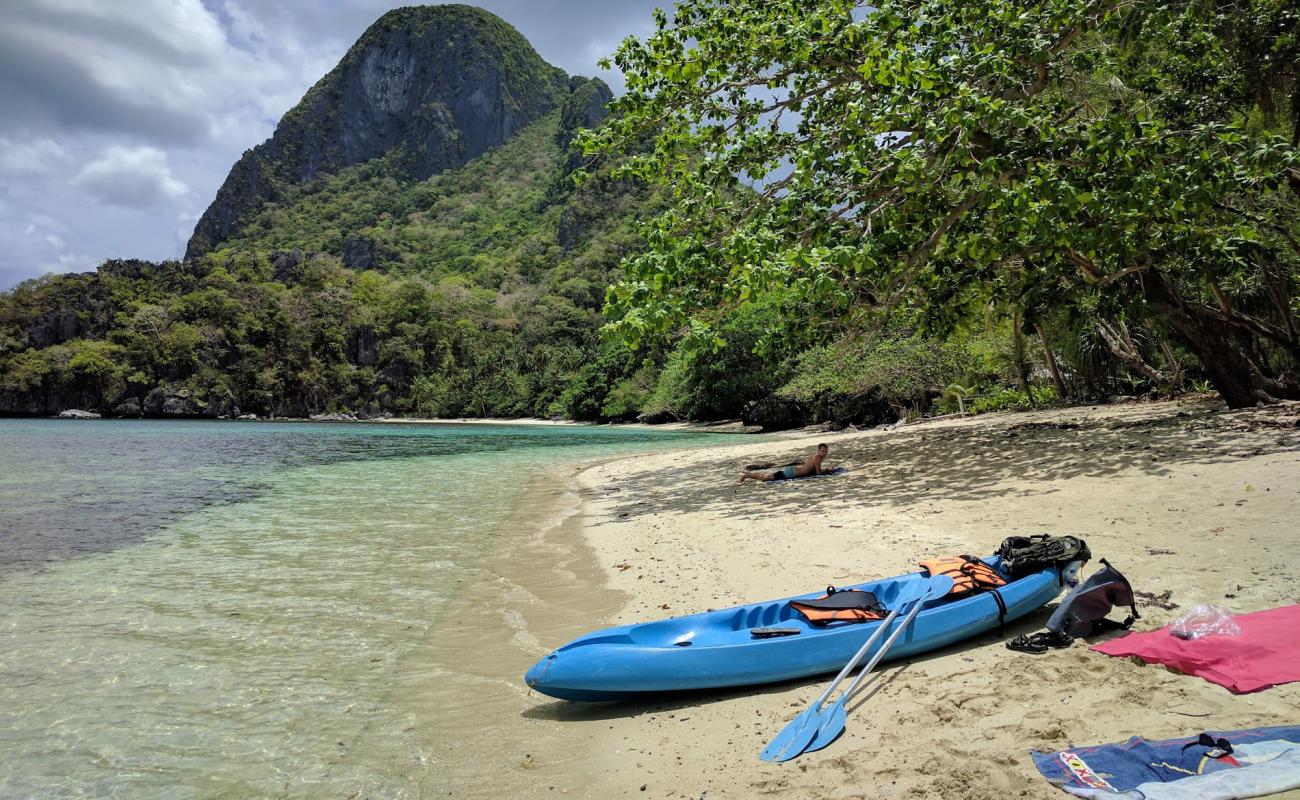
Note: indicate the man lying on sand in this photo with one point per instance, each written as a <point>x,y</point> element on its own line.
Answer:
<point>812,465</point>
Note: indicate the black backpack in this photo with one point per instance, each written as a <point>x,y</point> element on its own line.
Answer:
<point>1022,555</point>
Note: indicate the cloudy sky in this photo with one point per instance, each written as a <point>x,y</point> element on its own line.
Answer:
<point>121,119</point>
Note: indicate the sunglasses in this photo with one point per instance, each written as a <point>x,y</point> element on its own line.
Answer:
<point>1218,747</point>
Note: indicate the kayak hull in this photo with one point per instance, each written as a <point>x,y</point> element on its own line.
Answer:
<point>715,649</point>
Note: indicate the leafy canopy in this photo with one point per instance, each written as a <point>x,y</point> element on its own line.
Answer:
<point>857,157</point>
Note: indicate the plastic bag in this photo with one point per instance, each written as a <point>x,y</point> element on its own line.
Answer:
<point>1205,620</point>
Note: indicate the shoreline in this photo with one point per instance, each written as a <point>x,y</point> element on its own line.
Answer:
<point>1182,496</point>
<point>539,584</point>
<point>729,426</point>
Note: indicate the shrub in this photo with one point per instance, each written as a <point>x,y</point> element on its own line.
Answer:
<point>904,369</point>
<point>1006,399</point>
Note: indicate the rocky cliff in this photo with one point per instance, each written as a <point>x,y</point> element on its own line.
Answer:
<point>430,87</point>
<point>408,242</point>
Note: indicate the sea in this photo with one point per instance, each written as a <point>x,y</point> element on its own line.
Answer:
<point>291,610</point>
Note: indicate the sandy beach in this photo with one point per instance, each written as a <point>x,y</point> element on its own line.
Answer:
<point>1193,503</point>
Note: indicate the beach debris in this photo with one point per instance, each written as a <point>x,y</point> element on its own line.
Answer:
<point>1041,426</point>
<point>624,567</point>
<point>1159,551</point>
<point>1157,600</point>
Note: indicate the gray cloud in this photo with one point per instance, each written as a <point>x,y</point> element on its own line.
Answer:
<point>131,177</point>
<point>121,119</point>
<point>139,68</point>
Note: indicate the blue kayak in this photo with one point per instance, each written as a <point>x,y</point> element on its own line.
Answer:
<point>718,649</point>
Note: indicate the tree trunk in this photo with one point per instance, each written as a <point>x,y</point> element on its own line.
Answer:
<point>1175,366</point>
<point>1232,372</point>
<point>1051,363</point>
<point>1122,347</point>
<point>1018,354</point>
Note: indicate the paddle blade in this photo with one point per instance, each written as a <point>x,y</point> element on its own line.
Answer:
<point>938,586</point>
<point>793,738</point>
<point>832,725</point>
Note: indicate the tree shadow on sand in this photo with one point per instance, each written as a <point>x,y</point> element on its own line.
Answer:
<point>996,459</point>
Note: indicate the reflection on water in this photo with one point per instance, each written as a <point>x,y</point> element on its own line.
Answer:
<point>284,641</point>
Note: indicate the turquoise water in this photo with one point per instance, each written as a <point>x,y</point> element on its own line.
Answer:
<point>255,610</point>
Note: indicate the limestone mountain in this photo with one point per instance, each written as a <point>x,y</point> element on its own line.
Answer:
<point>433,87</point>
<point>408,241</point>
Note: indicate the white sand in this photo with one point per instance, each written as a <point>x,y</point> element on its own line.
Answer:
<point>1181,497</point>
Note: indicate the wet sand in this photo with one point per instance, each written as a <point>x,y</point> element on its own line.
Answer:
<point>1182,497</point>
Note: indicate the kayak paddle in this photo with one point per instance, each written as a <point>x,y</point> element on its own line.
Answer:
<point>831,721</point>
<point>801,730</point>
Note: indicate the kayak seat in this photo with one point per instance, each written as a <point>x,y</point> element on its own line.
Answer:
<point>761,615</point>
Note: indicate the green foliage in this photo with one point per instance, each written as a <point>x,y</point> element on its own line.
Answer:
<point>627,398</point>
<point>1034,156</point>
<point>474,303</point>
<point>904,368</point>
<point>716,379</point>
<point>1114,187</point>
<point>1008,399</point>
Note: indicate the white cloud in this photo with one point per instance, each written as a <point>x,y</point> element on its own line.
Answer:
<point>131,177</point>
<point>31,157</point>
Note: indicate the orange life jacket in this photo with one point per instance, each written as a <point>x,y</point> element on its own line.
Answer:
<point>849,605</point>
<point>968,573</point>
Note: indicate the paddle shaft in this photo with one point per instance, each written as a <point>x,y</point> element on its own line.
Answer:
<point>862,651</point>
<point>853,662</point>
<point>911,614</point>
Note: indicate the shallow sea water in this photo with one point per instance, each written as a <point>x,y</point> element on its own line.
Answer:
<point>286,610</point>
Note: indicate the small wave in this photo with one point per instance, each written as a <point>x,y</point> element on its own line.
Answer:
<point>522,638</point>
<point>571,508</point>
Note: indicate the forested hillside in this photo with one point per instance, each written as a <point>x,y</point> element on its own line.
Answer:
<point>367,288</point>
<point>476,292</point>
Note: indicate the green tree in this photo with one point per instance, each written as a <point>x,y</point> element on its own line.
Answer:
<point>1037,155</point>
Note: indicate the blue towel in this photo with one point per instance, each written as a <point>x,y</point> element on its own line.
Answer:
<point>1191,767</point>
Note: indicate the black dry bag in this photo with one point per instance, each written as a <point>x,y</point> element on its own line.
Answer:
<point>1083,611</point>
<point>1022,555</point>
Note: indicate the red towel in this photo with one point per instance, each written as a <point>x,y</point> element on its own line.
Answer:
<point>1267,652</point>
